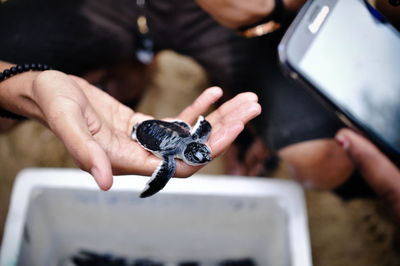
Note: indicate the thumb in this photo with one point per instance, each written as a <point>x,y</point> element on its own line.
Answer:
<point>379,172</point>
<point>71,126</point>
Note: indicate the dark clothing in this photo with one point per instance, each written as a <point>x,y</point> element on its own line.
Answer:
<point>72,36</point>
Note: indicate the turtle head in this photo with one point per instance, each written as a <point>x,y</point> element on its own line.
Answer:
<point>196,154</point>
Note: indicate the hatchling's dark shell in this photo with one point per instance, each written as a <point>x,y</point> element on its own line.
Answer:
<point>157,135</point>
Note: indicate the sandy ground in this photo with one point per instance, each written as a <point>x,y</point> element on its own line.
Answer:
<point>357,232</point>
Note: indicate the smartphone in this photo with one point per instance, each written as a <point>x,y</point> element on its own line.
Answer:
<point>348,56</point>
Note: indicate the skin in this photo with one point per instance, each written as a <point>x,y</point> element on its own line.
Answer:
<point>318,164</point>
<point>236,13</point>
<point>379,172</point>
<point>95,128</point>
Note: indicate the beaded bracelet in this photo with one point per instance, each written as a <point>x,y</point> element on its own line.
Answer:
<point>7,73</point>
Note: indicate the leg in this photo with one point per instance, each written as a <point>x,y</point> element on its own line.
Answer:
<point>319,164</point>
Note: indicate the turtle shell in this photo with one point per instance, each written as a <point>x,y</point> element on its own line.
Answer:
<point>157,135</point>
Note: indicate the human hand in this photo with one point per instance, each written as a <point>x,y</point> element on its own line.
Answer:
<point>236,13</point>
<point>96,129</point>
<point>379,172</point>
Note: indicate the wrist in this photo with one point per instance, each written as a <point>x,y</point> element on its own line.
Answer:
<point>267,24</point>
<point>279,15</point>
<point>16,97</point>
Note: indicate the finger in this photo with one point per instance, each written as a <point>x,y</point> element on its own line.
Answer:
<point>200,105</point>
<point>227,123</point>
<point>223,137</point>
<point>381,174</point>
<point>242,114</point>
<point>229,120</point>
<point>243,107</point>
<point>67,112</point>
<point>71,126</point>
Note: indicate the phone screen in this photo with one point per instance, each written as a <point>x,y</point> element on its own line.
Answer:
<point>354,59</point>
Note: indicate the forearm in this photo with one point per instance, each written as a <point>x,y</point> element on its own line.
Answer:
<point>237,13</point>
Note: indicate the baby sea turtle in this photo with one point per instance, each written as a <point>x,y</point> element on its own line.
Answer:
<point>169,140</point>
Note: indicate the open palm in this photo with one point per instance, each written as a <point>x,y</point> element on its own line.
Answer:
<point>96,128</point>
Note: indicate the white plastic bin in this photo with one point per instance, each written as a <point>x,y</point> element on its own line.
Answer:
<point>55,213</point>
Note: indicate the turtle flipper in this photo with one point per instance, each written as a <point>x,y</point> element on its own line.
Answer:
<point>160,177</point>
<point>201,129</point>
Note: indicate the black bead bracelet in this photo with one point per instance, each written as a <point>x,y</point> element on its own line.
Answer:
<point>22,68</point>
<point>7,73</point>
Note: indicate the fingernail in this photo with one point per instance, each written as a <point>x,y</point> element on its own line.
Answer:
<point>343,142</point>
